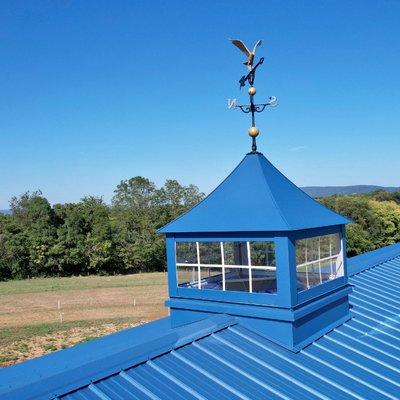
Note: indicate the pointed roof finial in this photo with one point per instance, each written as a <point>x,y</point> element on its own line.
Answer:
<point>250,77</point>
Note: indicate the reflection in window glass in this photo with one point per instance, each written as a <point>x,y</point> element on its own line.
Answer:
<point>235,253</point>
<point>318,259</point>
<point>263,281</point>
<point>186,253</point>
<point>237,279</point>
<point>262,254</point>
<point>211,278</point>
<point>187,276</point>
<point>210,253</point>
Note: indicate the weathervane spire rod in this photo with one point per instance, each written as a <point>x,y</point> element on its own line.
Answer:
<point>250,78</point>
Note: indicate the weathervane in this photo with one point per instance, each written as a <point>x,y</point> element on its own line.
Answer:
<point>250,77</point>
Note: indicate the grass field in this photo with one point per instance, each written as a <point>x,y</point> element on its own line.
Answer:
<point>42,315</point>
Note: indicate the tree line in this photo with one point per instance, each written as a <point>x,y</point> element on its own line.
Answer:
<point>91,237</point>
<point>375,219</point>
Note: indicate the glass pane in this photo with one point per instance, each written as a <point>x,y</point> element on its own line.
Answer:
<point>263,281</point>
<point>262,254</point>
<point>187,276</point>
<point>325,246</point>
<point>235,253</point>
<point>312,249</point>
<point>308,276</point>
<point>318,260</point>
<point>211,278</point>
<point>210,253</point>
<point>186,253</point>
<point>336,243</point>
<point>237,279</point>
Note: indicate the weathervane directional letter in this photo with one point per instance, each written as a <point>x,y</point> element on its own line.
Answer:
<point>231,103</point>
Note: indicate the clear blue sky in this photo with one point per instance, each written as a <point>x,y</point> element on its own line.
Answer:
<point>93,92</point>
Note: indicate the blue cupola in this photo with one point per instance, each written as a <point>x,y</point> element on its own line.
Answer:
<point>260,249</point>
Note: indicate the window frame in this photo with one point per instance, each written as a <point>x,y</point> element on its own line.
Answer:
<point>327,286</point>
<point>319,260</point>
<point>249,267</point>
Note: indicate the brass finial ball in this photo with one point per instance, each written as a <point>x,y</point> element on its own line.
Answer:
<point>254,131</point>
<point>252,91</point>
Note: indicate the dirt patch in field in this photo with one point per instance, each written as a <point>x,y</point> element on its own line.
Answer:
<point>33,346</point>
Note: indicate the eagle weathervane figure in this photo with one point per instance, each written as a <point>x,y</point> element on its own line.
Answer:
<point>250,77</point>
<point>250,54</point>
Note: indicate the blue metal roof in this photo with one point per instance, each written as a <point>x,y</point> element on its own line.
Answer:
<point>217,358</point>
<point>255,197</point>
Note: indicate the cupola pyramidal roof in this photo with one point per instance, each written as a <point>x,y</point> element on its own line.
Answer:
<point>256,196</point>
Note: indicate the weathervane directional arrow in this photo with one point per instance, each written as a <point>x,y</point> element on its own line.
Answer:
<point>250,77</point>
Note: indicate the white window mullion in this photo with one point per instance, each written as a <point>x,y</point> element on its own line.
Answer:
<point>307,279</point>
<point>319,259</point>
<point>250,272</point>
<point>198,265</point>
<point>340,268</point>
<point>223,265</point>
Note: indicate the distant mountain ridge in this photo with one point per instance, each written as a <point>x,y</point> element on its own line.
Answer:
<point>324,191</point>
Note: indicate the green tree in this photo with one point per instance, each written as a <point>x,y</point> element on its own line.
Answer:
<point>6,258</point>
<point>34,232</point>
<point>139,209</point>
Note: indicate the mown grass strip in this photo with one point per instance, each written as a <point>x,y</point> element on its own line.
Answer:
<point>40,285</point>
<point>12,335</point>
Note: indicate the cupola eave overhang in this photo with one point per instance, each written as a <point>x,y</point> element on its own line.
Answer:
<point>255,197</point>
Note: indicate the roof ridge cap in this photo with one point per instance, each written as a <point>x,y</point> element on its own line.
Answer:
<point>270,192</point>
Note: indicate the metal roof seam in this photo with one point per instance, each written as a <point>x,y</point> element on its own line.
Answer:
<point>98,392</point>
<point>362,287</point>
<point>240,371</point>
<point>382,278</point>
<point>375,290</point>
<point>307,195</point>
<point>138,385</point>
<point>359,294</point>
<point>369,346</point>
<point>366,261</point>
<point>210,376</point>
<point>349,375</point>
<point>378,285</point>
<point>295,363</point>
<point>377,321</point>
<point>371,336</point>
<point>360,298</point>
<point>274,200</point>
<point>276,370</point>
<point>363,367</point>
<point>176,381</point>
<point>382,322</point>
<point>364,354</point>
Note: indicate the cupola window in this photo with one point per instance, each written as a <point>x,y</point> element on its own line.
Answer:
<point>318,259</point>
<point>228,266</point>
